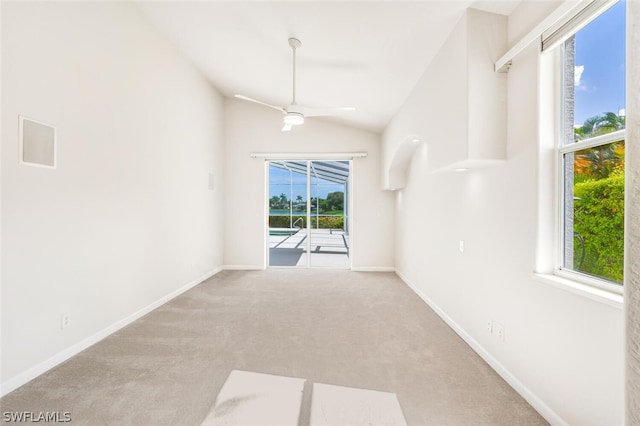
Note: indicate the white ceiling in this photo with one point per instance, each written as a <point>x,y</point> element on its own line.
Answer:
<point>366,54</point>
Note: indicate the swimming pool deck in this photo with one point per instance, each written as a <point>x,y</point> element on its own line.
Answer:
<point>329,248</point>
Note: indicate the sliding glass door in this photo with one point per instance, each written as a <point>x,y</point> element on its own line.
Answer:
<point>308,209</point>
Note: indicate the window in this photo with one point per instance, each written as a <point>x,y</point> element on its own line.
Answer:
<point>591,151</point>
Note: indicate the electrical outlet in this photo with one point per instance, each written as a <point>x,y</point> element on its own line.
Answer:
<point>500,332</point>
<point>461,246</point>
<point>489,326</point>
<point>65,320</point>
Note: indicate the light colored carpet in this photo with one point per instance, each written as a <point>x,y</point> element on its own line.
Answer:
<point>356,329</point>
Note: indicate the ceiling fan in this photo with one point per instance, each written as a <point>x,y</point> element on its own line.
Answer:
<point>294,114</point>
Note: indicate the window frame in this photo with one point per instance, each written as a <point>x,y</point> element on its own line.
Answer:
<point>561,149</point>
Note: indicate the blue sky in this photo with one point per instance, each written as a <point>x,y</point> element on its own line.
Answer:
<point>600,62</point>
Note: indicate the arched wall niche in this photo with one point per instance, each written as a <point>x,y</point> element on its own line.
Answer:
<point>397,172</point>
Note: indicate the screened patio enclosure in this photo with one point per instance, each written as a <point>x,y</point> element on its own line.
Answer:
<point>309,213</point>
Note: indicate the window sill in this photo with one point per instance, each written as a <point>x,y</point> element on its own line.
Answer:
<point>599,295</point>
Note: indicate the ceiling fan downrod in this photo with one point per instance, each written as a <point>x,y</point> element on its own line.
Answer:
<point>294,43</point>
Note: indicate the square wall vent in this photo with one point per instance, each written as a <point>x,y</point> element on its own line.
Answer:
<point>37,143</point>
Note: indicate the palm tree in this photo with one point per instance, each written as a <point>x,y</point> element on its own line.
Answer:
<point>611,122</point>
<point>588,128</point>
<point>600,161</point>
<point>599,125</point>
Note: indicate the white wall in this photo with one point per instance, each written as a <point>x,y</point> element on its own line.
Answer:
<point>632,201</point>
<point>563,351</point>
<point>436,123</point>
<point>466,126</point>
<point>253,128</point>
<point>126,219</point>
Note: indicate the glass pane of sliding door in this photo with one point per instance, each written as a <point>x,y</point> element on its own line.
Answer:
<point>329,239</point>
<point>309,214</point>
<point>288,213</point>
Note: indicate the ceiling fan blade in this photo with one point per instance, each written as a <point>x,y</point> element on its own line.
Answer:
<point>246,98</point>
<point>294,113</point>
<point>318,112</point>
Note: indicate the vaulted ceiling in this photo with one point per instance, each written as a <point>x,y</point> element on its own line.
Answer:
<point>366,54</point>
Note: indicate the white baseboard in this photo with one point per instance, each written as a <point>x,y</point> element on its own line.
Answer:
<point>353,268</point>
<point>33,372</point>
<point>538,404</point>
<point>243,267</point>
<point>373,269</point>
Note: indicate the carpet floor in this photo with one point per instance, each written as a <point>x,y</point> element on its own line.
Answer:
<point>356,329</point>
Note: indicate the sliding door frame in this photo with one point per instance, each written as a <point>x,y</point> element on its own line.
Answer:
<point>347,213</point>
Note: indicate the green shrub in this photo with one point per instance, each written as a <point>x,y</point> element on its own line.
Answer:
<point>599,220</point>
<point>326,222</point>
<point>282,221</point>
<point>330,222</point>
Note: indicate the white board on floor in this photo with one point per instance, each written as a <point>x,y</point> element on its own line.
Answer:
<point>255,399</point>
<point>338,405</point>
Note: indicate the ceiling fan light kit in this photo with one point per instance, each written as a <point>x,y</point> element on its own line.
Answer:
<point>293,118</point>
<point>294,114</point>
